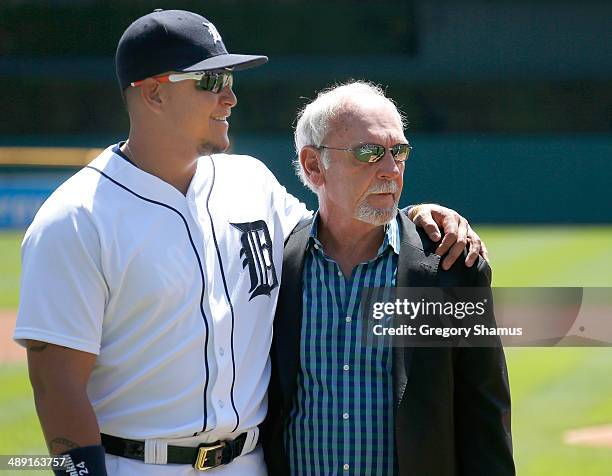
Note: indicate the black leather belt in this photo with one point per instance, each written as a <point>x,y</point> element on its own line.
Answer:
<point>204,457</point>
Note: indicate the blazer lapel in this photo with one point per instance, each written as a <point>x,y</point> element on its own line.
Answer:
<point>418,268</point>
<point>288,318</point>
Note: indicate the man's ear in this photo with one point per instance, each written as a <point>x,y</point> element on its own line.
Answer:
<point>151,94</point>
<point>312,164</point>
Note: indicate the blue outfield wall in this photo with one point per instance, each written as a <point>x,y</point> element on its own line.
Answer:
<point>489,179</point>
<point>23,190</point>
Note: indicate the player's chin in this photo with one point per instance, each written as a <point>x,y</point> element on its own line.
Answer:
<point>216,147</point>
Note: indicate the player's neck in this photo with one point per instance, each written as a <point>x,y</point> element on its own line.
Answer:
<point>168,161</point>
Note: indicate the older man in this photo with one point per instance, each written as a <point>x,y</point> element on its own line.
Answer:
<point>338,406</point>
<point>150,277</point>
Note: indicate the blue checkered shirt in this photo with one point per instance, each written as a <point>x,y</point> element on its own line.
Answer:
<point>341,421</point>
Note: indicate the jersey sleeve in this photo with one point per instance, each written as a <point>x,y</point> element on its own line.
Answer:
<point>291,211</point>
<point>63,291</point>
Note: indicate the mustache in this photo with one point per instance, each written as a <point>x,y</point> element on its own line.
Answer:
<point>383,187</point>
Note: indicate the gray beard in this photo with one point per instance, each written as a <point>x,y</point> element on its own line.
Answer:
<point>375,216</point>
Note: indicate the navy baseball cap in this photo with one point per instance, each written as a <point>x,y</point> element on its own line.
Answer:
<point>174,40</point>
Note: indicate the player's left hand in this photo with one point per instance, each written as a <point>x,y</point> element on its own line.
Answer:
<point>457,233</point>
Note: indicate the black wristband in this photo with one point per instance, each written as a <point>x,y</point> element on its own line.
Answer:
<point>86,460</point>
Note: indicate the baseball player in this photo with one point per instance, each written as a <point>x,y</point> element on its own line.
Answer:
<point>150,278</point>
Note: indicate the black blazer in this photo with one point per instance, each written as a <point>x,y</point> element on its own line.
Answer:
<point>452,405</point>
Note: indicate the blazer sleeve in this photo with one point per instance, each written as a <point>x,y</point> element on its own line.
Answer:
<point>482,405</point>
<point>271,429</point>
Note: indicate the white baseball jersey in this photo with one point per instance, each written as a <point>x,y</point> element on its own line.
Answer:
<point>175,294</point>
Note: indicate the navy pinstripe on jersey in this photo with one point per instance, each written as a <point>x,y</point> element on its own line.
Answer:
<point>231,306</point>
<point>155,202</point>
<point>117,150</point>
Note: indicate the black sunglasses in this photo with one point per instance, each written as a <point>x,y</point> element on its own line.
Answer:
<point>372,153</point>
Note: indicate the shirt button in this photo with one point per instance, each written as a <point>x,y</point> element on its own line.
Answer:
<point>340,273</point>
<point>345,467</point>
<point>221,403</point>
<point>346,367</point>
<point>348,319</point>
<point>317,247</point>
<point>345,416</point>
<point>221,351</point>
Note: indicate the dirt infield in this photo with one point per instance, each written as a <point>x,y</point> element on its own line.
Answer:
<point>9,351</point>
<point>595,436</point>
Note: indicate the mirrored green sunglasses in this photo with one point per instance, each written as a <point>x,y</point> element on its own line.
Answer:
<point>372,153</point>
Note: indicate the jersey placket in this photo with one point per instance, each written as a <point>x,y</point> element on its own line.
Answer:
<point>220,414</point>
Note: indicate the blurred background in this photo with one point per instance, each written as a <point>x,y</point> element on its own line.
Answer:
<point>509,106</point>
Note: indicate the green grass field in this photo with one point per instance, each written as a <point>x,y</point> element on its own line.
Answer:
<point>9,269</point>
<point>553,389</point>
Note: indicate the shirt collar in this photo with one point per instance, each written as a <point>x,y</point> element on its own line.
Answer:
<point>117,150</point>
<point>392,235</point>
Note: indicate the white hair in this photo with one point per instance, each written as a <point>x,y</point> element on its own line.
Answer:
<point>314,120</point>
